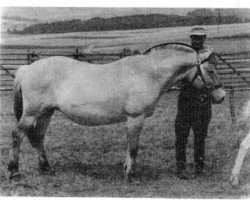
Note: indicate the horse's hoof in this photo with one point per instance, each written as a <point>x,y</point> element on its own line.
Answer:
<point>235,185</point>
<point>132,178</point>
<point>128,179</point>
<point>130,175</point>
<point>234,180</point>
<point>48,171</point>
<point>15,177</point>
<point>132,181</point>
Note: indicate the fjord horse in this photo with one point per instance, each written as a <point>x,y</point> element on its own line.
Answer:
<point>126,90</point>
<point>244,146</point>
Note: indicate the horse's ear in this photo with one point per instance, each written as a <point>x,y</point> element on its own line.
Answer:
<point>89,48</point>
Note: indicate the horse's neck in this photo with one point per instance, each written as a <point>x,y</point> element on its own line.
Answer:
<point>170,71</point>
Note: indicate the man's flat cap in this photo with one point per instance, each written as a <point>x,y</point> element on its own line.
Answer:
<point>198,30</point>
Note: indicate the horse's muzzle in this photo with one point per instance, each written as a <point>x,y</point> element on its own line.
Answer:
<point>217,94</point>
<point>214,101</point>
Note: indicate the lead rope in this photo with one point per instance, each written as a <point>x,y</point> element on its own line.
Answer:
<point>7,71</point>
<point>234,70</point>
<point>198,64</point>
<point>203,96</point>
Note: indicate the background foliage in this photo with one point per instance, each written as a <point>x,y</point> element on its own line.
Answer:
<point>196,17</point>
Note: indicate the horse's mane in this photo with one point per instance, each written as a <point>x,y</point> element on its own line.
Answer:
<point>178,51</point>
<point>169,50</point>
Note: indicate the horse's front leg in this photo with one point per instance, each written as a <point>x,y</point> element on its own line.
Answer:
<point>134,130</point>
<point>244,146</point>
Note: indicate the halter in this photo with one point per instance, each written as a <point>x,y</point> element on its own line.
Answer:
<point>201,75</point>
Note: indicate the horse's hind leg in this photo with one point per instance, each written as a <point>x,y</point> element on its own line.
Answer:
<point>135,126</point>
<point>23,126</point>
<point>244,146</point>
<point>36,137</point>
<point>34,128</point>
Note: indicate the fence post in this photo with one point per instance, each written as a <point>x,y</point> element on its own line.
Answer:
<point>232,105</point>
<point>76,55</point>
<point>121,55</point>
<point>29,57</point>
<point>126,52</point>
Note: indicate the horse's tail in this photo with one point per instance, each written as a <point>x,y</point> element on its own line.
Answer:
<point>18,98</point>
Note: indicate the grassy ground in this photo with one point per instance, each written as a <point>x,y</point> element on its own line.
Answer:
<point>88,161</point>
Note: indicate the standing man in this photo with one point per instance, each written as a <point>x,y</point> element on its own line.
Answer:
<point>194,111</point>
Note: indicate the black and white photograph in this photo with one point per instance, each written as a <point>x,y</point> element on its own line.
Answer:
<point>125,99</point>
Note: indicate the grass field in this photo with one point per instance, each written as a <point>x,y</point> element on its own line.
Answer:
<point>88,161</point>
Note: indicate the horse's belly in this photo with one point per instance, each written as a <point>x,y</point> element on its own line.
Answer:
<point>92,115</point>
<point>97,121</point>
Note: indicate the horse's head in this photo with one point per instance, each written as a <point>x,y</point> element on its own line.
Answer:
<point>205,77</point>
<point>181,60</point>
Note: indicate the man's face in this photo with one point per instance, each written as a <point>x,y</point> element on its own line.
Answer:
<point>197,41</point>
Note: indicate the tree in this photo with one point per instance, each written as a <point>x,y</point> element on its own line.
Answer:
<point>201,12</point>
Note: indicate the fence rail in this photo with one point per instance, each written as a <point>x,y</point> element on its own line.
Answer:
<point>11,61</point>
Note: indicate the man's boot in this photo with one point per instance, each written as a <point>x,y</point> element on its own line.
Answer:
<point>199,168</point>
<point>181,172</point>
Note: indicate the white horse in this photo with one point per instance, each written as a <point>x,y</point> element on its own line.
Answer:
<point>126,90</point>
<point>244,146</point>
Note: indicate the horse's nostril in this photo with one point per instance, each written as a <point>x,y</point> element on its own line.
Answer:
<point>222,99</point>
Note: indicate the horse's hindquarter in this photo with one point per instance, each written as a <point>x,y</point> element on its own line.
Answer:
<point>37,83</point>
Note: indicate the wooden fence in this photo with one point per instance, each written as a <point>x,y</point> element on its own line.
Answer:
<point>232,82</point>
